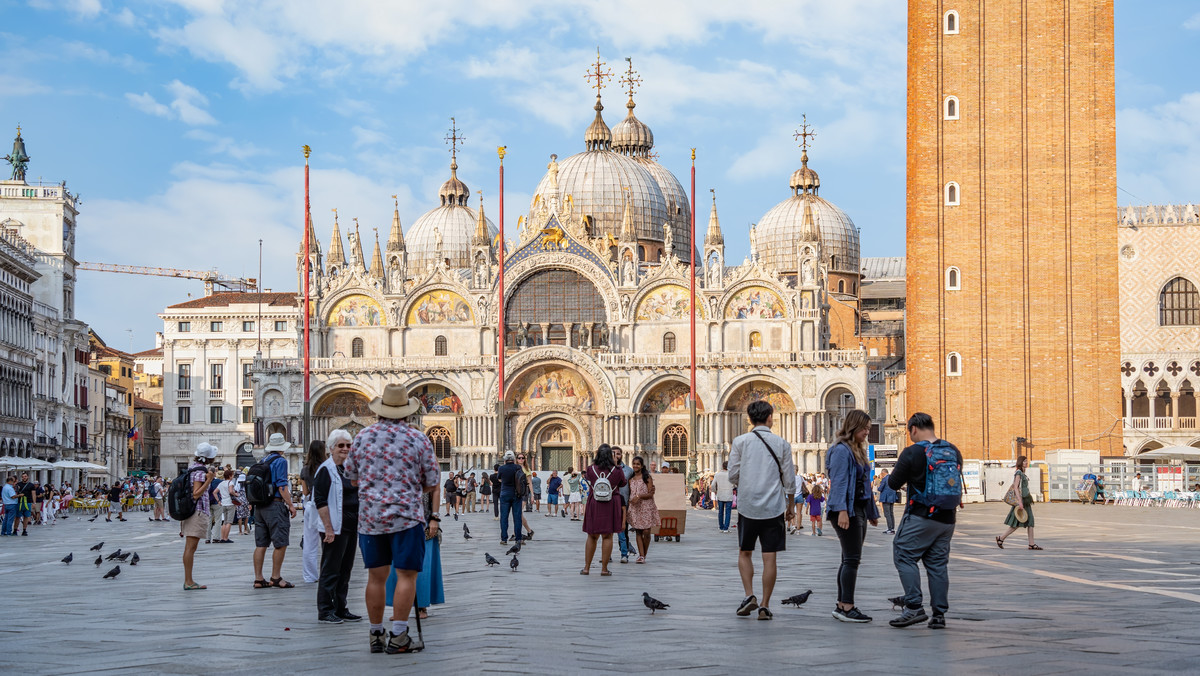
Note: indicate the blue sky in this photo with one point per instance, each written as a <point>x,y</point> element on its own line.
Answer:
<point>180,122</point>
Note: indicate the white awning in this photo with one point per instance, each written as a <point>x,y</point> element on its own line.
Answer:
<point>1172,453</point>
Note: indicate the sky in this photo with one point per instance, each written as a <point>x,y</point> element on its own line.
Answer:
<point>179,122</point>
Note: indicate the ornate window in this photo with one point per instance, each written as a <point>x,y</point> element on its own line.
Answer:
<point>439,346</point>
<point>952,194</point>
<point>556,297</point>
<point>1179,304</point>
<point>675,442</point>
<point>440,438</point>
<point>755,341</point>
<point>953,279</point>
<point>668,343</point>
<point>356,348</point>
<point>954,364</point>
<point>950,108</point>
<point>950,23</point>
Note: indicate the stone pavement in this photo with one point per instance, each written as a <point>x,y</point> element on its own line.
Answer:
<point>1117,590</point>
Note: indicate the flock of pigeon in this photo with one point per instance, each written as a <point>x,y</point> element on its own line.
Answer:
<point>649,601</point>
<point>100,559</point>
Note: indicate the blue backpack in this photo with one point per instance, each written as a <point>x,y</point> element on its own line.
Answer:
<point>943,478</point>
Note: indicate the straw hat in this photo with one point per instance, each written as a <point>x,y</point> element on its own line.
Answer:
<point>1020,514</point>
<point>395,403</point>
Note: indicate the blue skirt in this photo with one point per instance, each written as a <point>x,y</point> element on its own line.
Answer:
<point>429,581</point>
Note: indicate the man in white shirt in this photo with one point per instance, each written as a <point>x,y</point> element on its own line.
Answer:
<point>724,495</point>
<point>760,465</point>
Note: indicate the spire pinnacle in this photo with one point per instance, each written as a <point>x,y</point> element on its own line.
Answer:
<point>377,258</point>
<point>356,253</point>
<point>481,232</point>
<point>809,232</point>
<point>627,232</point>
<point>714,237</point>
<point>396,236</point>
<point>336,253</point>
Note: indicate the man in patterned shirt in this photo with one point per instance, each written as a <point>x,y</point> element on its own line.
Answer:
<point>393,465</point>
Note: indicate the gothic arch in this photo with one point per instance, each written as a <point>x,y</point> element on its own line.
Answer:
<point>421,381</point>
<point>547,354</point>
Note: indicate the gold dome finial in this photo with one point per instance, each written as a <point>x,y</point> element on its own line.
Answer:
<point>805,180</point>
<point>802,136</point>
<point>596,71</point>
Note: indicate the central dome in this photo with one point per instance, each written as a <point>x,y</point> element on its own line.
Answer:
<point>453,220</point>
<point>779,229</point>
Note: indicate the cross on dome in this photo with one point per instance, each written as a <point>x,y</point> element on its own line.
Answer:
<point>803,134</point>
<point>596,71</point>
<point>631,79</point>
<point>454,138</point>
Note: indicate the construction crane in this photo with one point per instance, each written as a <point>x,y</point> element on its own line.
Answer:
<point>210,278</point>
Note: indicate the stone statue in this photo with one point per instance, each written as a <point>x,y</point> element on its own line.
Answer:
<point>19,159</point>
<point>552,171</point>
<point>522,335</point>
<point>753,243</point>
<point>437,240</point>
<point>627,273</point>
<point>604,334</point>
<point>395,278</point>
<point>807,275</point>
<point>714,274</point>
<point>668,240</point>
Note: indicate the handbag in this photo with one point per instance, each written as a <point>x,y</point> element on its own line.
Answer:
<point>1013,496</point>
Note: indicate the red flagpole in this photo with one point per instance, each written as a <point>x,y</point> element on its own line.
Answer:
<point>500,319</point>
<point>307,286</point>
<point>692,316</point>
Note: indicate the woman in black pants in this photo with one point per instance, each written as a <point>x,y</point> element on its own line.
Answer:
<point>851,506</point>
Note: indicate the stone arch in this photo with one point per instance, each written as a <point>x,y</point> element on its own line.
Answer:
<point>731,295</point>
<point>416,295</point>
<point>1149,445</point>
<point>332,303</point>
<point>552,384</point>
<point>539,261</point>
<point>657,387</point>
<point>277,427</point>
<point>436,407</point>
<point>576,359</point>
<point>662,284</point>
<point>859,396</point>
<point>733,387</point>
<point>528,429</point>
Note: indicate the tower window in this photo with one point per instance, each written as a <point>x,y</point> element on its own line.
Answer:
<point>356,348</point>
<point>950,109</point>
<point>841,286</point>
<point>953,364</point>
<point>950,23</point>
<point>1179,304</point>
<point>668,343</point>
<point>953,282</point>
<point>952,194</point>
<point>439,346</point>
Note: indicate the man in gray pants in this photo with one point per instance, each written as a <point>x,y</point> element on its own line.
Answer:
<point>924,533</point>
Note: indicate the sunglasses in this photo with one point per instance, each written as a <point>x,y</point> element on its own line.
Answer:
<point>342,445</point>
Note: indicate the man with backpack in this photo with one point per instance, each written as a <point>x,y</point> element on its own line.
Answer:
<point>188,501</point>
<point>761,467</point>
<point>932,470</point>
<point>268,490</point>
<point>512,479</point>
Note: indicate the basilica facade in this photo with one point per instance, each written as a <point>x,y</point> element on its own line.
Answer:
<point>596,317</point>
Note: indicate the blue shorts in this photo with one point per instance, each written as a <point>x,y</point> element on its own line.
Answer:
<point>23,511</point>
<point>552,499</point>
<point>403,551</point>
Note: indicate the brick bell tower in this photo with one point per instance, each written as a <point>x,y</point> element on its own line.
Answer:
<point>1013,342</point>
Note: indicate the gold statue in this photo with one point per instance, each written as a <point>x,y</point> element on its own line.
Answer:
<point>554,238</point>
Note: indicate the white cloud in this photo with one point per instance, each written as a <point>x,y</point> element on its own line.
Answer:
<point>1193,23</point>
<point>16,85</point>
<point>225,145</point>
<point>187,106</point>
<point>86,9</point>
<point>367,137</point>
<point>84,51</point>
<point>1159,149</point>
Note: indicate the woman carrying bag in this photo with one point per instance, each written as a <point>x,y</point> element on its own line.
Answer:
<point>1021,514</point>
<point>851,506</point>
<point>888,497</point>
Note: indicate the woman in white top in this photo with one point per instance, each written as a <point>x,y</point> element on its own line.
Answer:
<point>228,509</point>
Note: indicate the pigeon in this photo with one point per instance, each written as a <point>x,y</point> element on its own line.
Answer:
<point>113,573</point>
<point>97,547</point>
<point>69,558</point>
<point>112,556</point>
<point>897,601</point>
<point>99,560</point>
<point>490,560</point>
<point>652,603</point>
<point>124,556</point>
<point>466,532</point>
<point>515,549</point>
<point>797,600</point>
<point>134,561</point>
<point>93,518</point>
<point>514,563</point>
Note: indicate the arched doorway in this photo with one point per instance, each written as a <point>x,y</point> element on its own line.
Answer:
<point>554,446</point>
<point>675,447</point>
<point>440,438</point>
<point>341,409</point>
<point>245,454</point>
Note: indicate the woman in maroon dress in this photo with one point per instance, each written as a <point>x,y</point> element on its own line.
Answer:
<point>602,518</point>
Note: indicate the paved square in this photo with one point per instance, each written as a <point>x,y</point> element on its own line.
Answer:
<point>1117,590</point>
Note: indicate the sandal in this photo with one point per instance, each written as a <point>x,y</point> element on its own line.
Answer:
<point>281,583</point>
<point>585,571</point>
<point>261,584</point>
<point>1000,542</point>
<point>641,559</point>
<point>190,587</point>
<point>606,573</point>
<point>1035,547</point>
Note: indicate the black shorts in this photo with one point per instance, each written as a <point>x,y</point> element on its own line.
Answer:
<point>771,533</point>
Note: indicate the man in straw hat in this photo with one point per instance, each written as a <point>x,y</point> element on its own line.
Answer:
<point>394,465</point>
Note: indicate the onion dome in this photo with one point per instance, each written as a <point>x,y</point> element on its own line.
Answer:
<point>598,136</point>
<point>454,191</point>
<point>631,137</point>
<point>453,222</point>
<point>780,228</point>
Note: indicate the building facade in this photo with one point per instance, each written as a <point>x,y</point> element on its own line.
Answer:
<point>148,374</point>
<point>17,368</point>
<point>596,317</point>
<point>45,216</point>
<point>1159,247</point>
<point>1013,328</point>
<point>209,345</point>
<point>881,330</point>
<point>147,442</point>
<point>115,452</point>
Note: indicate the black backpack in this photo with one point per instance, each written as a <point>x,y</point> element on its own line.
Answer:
<point>522,487</point>
<point>260,492</point>
<point>180,503</point>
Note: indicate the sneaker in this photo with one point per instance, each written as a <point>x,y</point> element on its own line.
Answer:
<point>852,615</point>
<point>889,532</point>
<point>402,644</point>
<point>937,622</point>
<point>748,605</point>
<point>624,559</point>
<point>820,532</point>
<point>349,616</point>
<point>764,614</point>
<point>909,617</point>
<point>329,618</point>
<point>377,641</point>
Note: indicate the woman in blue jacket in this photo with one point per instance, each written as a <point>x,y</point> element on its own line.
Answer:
<point>888,497</point>
<point>851,506</point>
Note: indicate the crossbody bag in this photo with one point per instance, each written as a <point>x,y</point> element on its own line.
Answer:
<point>771,453</point>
